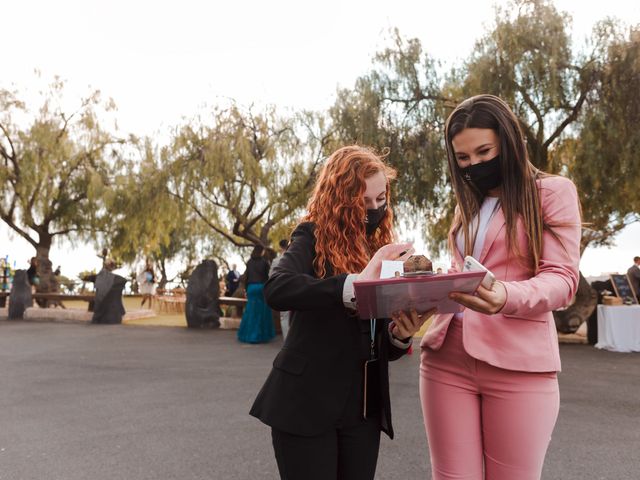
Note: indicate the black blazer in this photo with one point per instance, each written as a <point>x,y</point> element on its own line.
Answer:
<point>315,372</point>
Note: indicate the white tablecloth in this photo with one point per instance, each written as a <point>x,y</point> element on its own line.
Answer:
<point>619,328</point>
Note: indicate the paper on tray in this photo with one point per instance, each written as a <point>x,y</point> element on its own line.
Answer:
<point>380,298</point>
<point>390,267</point>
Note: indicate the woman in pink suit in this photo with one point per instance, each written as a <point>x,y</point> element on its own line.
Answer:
<point>488,375</point>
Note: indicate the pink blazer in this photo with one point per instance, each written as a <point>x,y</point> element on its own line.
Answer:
<point>522,336</point>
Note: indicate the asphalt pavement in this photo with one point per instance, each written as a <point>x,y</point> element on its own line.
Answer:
<point>109,402</point>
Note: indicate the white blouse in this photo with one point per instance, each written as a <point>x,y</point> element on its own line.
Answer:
<point>480,223</point>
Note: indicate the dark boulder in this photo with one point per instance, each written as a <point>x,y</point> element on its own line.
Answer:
<point>203,290</point>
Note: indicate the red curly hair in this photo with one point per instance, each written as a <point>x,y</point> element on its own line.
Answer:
<point>337,209</point>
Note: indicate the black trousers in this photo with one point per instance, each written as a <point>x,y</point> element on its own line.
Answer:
<point>349,453</point>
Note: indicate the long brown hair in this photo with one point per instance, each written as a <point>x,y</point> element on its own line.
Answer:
<point>519,196</point>
<point>337,209</point>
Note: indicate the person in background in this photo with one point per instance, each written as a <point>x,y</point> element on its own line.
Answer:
<point>284,316</point>
<point>232,281</point>
<point>103,255</point>
<point>146,281</point>
<point>634,276</point>
<point>323,423</point>
<point>32,273</point>
<point>222,280</point>
<point>256,325</point>
<point>488,375</point>
<point>135,286</point>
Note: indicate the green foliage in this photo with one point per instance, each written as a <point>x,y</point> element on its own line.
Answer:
<point>55,169</point>
<point>578,110</point>
<point>603,159</point>
<point>67,283</point>
<point>400,107</point>
<point>527,60</point>
<point>143,215</point>
<point>245,176</point>
<point>236,178</point>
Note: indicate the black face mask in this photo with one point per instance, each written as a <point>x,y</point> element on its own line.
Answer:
<point>374,217</point>
<point>484,175</point>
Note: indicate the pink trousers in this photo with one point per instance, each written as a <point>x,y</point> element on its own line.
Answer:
<point>483,421</point>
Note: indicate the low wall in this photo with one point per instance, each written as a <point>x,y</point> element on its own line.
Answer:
<point>62,315</point>
<point>70,315</point>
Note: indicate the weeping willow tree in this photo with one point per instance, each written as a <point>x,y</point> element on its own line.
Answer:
<point>56,170</point>
<point>245,176</point>
<point>148,225</point>
<point>603,159</point>
<point>577,106</point>
<point>400,107</point>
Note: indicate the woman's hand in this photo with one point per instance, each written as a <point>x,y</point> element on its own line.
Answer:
<point>487,301</point>
<point>406,326</point>
<point>392,251</point>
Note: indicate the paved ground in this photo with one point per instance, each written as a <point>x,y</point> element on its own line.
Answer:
<point>137,403</point>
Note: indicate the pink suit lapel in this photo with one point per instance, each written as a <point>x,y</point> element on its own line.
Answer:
<point>496,224</point>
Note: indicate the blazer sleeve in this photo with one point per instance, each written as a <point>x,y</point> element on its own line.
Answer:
<point>557,279</point>
<point>394,351</point>
<point>293,284</point>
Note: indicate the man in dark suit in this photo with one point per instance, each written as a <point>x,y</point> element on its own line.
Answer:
<point>634,276</point>
<point>232,281</point>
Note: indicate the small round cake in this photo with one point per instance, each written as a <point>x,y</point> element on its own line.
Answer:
<point>417,263</point>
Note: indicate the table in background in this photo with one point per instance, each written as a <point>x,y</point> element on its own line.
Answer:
<point>619,328</point>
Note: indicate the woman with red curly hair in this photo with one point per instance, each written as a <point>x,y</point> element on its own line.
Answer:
<point>314,398</point>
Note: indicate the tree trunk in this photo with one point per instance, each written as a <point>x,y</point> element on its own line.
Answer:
<point>45,272</point>
<point>539,156</point>
<point>163,274</point>
<point>47,281</point>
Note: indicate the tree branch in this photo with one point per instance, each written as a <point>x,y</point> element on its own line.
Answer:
<point>69,230</point>
<point>54,213</point>
<point>208,223</point>
<point>534,108</point>
<point>9,221</point>
<point>570,118</point>
<point>220,230</point>
<point>6,134</point>
<point>64,126</point>
<point>12,158</point>
<point>252,202</point>
<point>251,223</point>
<point>210,200</point>
<point>35,192</point>
<point>418,97</point>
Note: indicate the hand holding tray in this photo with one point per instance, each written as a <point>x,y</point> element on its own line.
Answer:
<point>380,298</point>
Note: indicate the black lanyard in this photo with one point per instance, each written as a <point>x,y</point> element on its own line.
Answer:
<point>372,326</point>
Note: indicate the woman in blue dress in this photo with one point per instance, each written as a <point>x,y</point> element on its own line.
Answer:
<point>257,322</point>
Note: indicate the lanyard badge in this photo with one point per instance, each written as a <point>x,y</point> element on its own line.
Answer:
<point>371,380</point>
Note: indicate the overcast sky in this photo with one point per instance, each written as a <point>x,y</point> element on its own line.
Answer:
<point>163,60</point>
